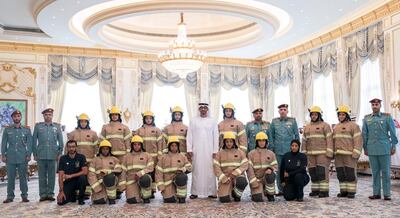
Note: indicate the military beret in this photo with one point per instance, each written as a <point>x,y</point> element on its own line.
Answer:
<point>16,112</point>
<point>48,110</point>
<point>258,110</point>
<point>375,100</point>
<point>283,105</point>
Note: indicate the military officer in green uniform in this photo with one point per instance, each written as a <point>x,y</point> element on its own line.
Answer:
<point>16,149</point>
<point>283,131</point>
<point>47,148</point>
<point>379,143</point>
<point>256,126</point>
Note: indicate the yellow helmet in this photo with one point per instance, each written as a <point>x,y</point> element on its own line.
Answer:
<point>114,110</point>
<point>228,106</point>
<point>173,139</point>
<point>148,113</point>
<point>315,109</point>
<point>105,143</point>
<point>344,109</point>
<point>261,136</point>
<point>83,117</point>
<point>176,109</point>
<point>137,138</point>
<point>229,135</point>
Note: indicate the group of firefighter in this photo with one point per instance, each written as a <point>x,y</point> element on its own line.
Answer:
<point>141,161</point>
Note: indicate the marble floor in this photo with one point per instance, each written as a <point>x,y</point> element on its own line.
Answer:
<point>361,206</point>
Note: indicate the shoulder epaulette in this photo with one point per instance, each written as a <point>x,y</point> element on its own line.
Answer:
<point>368,115</point>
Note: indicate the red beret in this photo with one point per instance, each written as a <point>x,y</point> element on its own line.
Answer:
<point>375,100</point>
<point>16,112</point>
<point>283,105</point>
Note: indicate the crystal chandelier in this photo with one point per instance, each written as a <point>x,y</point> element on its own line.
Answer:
<point>182,57</point>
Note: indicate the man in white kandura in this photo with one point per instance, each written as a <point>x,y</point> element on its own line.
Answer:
<point>202,146</point>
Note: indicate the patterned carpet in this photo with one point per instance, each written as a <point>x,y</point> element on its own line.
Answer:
<point>361,206</point>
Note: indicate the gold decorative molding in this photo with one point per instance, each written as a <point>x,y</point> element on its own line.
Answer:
<point>12,79</point>
<point>100,52</point>
<point>127,115</point>
<point>354,25</point>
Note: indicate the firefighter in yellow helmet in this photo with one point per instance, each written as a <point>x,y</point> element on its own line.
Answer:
<point>230,163</point>
<point>136,168</point>
<point>262,170</point>
<point>231,124</point>
<point>318,146</point>
<point>171,171</point>
<point>153,141</point>
<point>103,175</point>
<point>86,140</point>
<point>176,128</point>
<point>119,136</point>
<point>347,142</point>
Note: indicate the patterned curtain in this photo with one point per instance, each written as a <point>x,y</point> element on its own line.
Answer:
<point>317,62</point>
<point>228,77</point>
<point>365,44</point>
<point>80,69</point>
<point>275,75</point>
<point>152,71</point>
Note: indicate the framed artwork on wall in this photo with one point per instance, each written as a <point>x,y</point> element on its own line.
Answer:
<point>7,106</point>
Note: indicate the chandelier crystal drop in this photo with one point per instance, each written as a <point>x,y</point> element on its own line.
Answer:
<point>182,56</point>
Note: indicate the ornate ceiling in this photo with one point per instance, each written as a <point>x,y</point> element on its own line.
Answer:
<point>227,28</point>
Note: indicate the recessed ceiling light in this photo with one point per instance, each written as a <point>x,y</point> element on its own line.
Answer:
<point>301,11</point>
<point>340,9</point>
<point>78,2</point>
<point>62,9</point>
<point>54,17</point>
